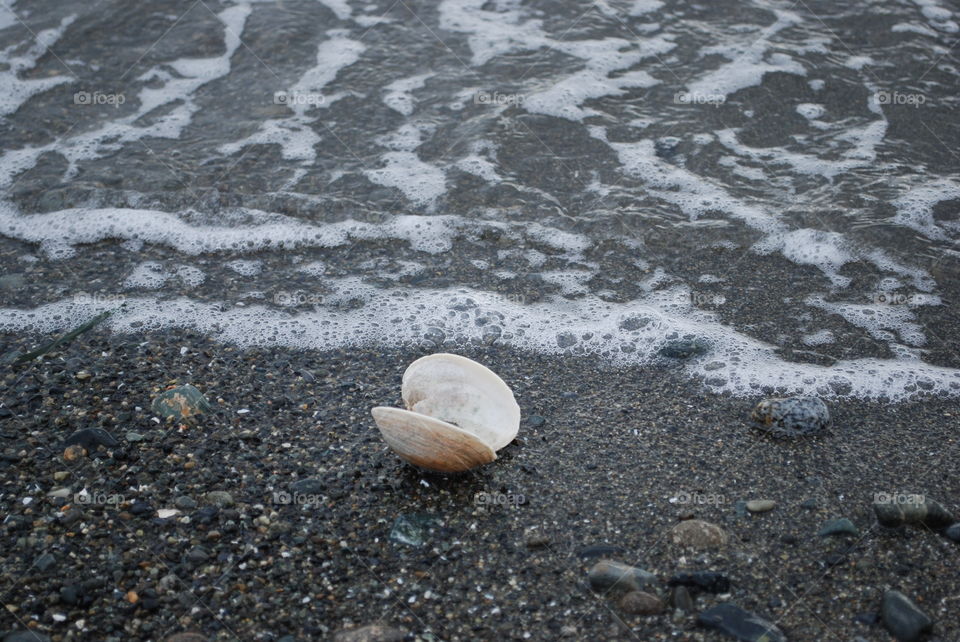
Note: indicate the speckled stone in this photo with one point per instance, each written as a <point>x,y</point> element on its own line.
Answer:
<point>791,416</point>
<point>760,505</point>
<point>698,534</point>
<point>640,603</point>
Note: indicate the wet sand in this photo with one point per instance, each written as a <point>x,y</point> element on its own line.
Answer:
<point>617,454</point>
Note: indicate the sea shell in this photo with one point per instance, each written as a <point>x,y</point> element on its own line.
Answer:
<point>458,414</point>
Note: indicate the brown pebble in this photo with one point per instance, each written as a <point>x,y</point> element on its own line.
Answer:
<point>131,597</point>
<point>698,534</point>
<point>190,465</point>
<point>641,603</point>
<point>74,452</point>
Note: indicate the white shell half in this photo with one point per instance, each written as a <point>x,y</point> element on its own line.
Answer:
<point>459,413</point>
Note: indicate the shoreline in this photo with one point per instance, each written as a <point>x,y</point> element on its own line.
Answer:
<point>609,465</point>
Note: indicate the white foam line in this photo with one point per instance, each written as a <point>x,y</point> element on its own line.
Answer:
<point>625,333</point>
<point>14,91</point>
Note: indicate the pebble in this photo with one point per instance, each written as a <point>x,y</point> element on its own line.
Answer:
<point>709,581</point>
<point>684,348</point>
<point>740,624</point>
<point>698,534</point>
<point>60,475</point>
<point>791,416</point>
<point>760,505</point>
<point>198,555</point>
<point>535,421</point>
<point>902,618</point>
<point>953,532</point>
<point>680,599</point>
<point>219,498</point>
<point>534,538</point>
<point>133,437</point>
<point>371,633</point>
<point>73,453</point>
<point>185,502</point>
<point>842,526</point>
<point>608,575</point>
<point>600,550</point>
<point>181,403</point>
<point>45,562</point>
<point>641,603</point>
<point>91,438</point>
<point>308,486</point>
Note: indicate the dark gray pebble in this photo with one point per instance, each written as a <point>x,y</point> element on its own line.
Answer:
<point>709,581</point>
<point>91,438</point>
<point>953,532</point>
<point>902,617</point>
<point>842,526</point>
<point>740,624</point>
<point>308,486</point>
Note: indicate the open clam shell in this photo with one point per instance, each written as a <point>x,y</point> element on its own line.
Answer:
<point>458,414</point>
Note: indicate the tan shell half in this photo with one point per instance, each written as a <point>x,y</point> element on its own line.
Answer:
<point>459,414</point>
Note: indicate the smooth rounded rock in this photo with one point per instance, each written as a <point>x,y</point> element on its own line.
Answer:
<point>835,527</point>
<point>607,575</point>
<point>371,633</point>
<point>760,505</point>
<point>640,603</point>
<point>698,534</point>
<point>902,618</point>
<point>791,416</point>
<point>953,532</point>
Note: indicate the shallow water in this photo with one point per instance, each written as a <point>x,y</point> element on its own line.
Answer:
<point>774,178</point>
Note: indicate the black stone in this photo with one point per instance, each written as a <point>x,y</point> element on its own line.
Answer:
<point>740,624</point>
<point>902,617</point>
<point>141,508</point>
<point>45,562</point>
<point>91,438</point>
<point>535,421</point>
<point>709,581</point>
<point>684,348</point>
